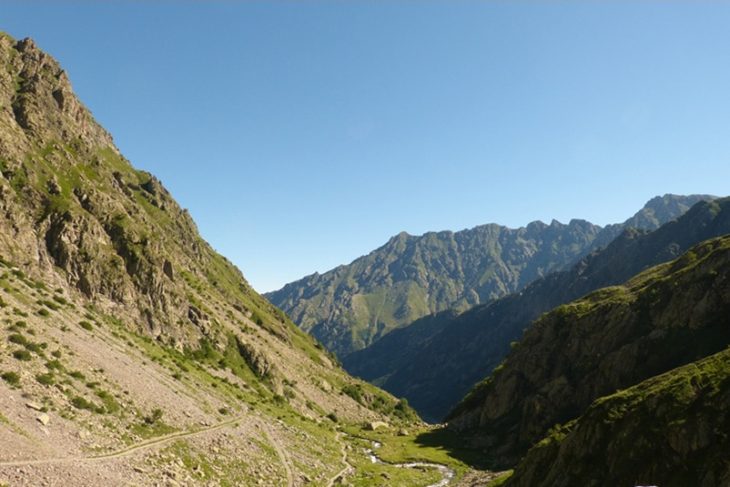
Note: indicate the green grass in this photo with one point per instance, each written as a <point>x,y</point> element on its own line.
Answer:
<point>422,444</point>
<point>501,480</point>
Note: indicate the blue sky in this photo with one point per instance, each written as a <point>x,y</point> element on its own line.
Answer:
<point>301,135</point>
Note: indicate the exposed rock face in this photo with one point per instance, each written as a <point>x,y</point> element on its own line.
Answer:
<point>73,210</point>
<point>667,316</point>
<point>352,306</point>
<point>437,359</point>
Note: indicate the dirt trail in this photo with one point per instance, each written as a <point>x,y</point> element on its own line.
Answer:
<point>283,456</point>
<point>348,468</point>
<point>125,452</point>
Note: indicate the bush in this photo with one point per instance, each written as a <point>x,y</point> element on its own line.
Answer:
<point>22,355</point>
<point>36,347</point>
<point>18,339</point>
<point>44,312</point>
<point>154,416</point>
<point>45,379</point>
<point>86,325</point>
<point>333,417</point>
<point>82,403</point>
<point>76,374</point>
<point>354,391</point>
<point>110,404</point>
<point>11,378</point>
<point>54,365</point>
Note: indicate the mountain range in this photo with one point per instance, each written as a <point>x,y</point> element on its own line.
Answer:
<point>436,360</point>
<point>132,353</point>
<point>354,305</point>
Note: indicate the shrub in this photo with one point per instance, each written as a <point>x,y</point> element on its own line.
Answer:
<point>45,379</point>
<point>22,355</point>
<point>18,338</point>
<point>333,417</point>
<point>76,374</point>
<point>44,312</point>
<point>82,403</point>
<point>54,365</point>
<point>86,325</point>
<point>354,391</point>
<point>11,378</point>
<point>36,347</point>
<point>154,416</point>
<point>110,404</point>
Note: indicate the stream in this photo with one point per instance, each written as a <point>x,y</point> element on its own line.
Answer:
<point>447,473</point>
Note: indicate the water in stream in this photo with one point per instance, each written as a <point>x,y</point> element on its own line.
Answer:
<point>447,474</point>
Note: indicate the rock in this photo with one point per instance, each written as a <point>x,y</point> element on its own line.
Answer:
<point>402,432</point>
<point>43,419</point>
<point>34,405</point>
<point>374,425</point>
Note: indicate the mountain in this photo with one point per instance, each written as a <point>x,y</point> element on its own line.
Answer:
<point>666,317</point>
<point>131,353</point>
<point>669,430</point>
<point>352,306</point>
<point>435,361</point>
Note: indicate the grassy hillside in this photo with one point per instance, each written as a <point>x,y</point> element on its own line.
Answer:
<point>670,430</point>
<point>130,351</point>
<point>665,317</point>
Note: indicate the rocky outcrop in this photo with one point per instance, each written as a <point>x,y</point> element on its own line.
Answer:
<point>74,211</point>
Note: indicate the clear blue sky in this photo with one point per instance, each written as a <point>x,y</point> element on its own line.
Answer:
<point>301,135</point>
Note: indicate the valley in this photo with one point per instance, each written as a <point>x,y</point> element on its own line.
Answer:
<point>134,353</point>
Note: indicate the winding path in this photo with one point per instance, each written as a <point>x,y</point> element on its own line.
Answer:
<point>347,469</point>
<point>125,452</point>
<point>283,456</point>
